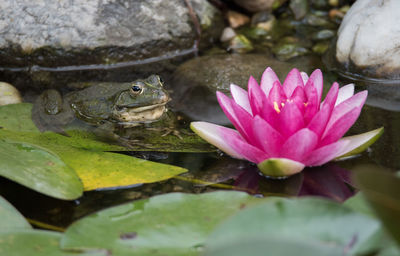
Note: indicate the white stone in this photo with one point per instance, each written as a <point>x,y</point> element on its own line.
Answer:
<point>227,34</point>
<point>369,36</point>
<point>9,94</point>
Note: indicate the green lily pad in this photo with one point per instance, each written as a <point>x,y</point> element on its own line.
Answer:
<point>36,243</point>
<point>95,168</point>
<point>382,190</point>
<point>17,117</point>
<point>38,169</point>
<point>282,246</point>
<point>83,153</point>
<point>171,224</point>
<point>316,220</point>
<point>10,218</point>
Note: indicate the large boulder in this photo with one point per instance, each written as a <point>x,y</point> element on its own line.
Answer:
<point>42,36</point>
<point>369,39</point>
<point>97,31</point>
<point>196,81</point>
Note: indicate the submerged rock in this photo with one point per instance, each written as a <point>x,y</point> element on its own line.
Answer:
<point>257,5</point>
<point>59,33</point>
<point>196,81</point>
<point>369,39</point>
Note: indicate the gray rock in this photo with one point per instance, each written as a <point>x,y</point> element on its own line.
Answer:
<point>257,5</point>
<point>369,39</point>
<point>196,81</point>
<point>59,33</point>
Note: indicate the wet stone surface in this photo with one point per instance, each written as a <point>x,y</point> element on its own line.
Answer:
<point>61,33</point>
<point>194,92</point>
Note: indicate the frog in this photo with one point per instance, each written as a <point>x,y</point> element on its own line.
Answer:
<point>106,105</point>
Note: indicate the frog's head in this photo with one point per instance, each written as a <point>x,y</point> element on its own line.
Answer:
<point>143,101</point>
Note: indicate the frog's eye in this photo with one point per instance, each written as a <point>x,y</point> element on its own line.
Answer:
<point>136,89</point>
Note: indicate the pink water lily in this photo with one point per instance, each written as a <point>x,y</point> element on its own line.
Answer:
<point>283,128</point>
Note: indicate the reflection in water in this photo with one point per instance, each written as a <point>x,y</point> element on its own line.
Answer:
<point>329,181</point>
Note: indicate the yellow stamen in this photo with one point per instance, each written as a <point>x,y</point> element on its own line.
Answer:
<point>276,107</point>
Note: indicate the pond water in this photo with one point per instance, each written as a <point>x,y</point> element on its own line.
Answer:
<point>215,171</point>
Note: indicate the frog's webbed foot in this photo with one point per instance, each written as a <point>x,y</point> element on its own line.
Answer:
<point>167,131</point>
<point>133,144</point>
<point>107,131</point>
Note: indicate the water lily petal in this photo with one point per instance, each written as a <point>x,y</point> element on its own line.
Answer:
<point>340,127</point>
<point>212,133</point>
<point>326,153</point>
<point>293,79</point>
<point>269,114</point>
<point>291,119</point>
<point>277,94</point>
<point>299,145</point>
<point>239,117</point>
<point>239,145</point>
<point>270,140</point>
<point>356,101</point>
<point>280,167</point>
<point>359,143</point>
<point>241,97</point>
<point>345,93</point>
<point>304,76</point>
<point>316,80</point>
<point>299,97</point>
<point>332,96</point>
<point>319,121</point>
<point>312,102</point>
<point>256,96</point>
<point>268,79</point>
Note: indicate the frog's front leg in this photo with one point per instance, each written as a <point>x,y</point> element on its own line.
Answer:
<point>51,113</point>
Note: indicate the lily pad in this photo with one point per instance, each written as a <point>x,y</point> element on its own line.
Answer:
<point>17,117</point>
<point>36,243</point>
<point>282,246</point>
<point>38,169</point>
<point>171,224</point>
<point>382,190</point>
<point>10,218</point>
<point>83,153</point>
<point>316,220</point>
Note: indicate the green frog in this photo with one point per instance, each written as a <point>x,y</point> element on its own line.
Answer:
<point>105,105</point>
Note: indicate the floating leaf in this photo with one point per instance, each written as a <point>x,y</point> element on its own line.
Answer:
<point>382,190</point>
<point>36,243</point>
<point>10,218</point>
<point>84,153</point>
<point>17,117</point>
<point>172,224</point>
<point>105,169</point>
<point>38,169</point>
<point>282,246</point>
<point>316,220</point>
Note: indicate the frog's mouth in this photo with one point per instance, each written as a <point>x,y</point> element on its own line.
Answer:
<point>129,115</point>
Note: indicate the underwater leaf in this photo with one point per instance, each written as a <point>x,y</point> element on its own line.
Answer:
<point>36,243</point>
<point>38,169</point>
<point>312,219</point>
<point>171,224</point>
<point>382,189</point>
<point>10,218</point>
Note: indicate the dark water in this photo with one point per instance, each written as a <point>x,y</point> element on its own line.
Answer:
<point>214,171</point>
<point>331,180</point>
